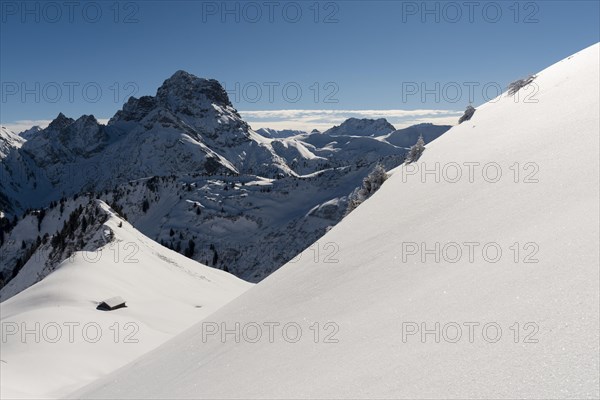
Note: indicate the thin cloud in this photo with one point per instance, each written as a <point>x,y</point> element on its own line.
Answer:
<point>308,120</point>
<point>22,125</point>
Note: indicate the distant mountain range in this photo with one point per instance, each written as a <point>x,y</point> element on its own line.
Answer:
<point>183,167</point>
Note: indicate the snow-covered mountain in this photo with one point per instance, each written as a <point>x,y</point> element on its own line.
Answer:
<point>189,127</point>
<point>8,140</point>
<point>29,133</point>
<point>165,293</point>
<point>408,136</point>
<point>278,133</point>
<point>246,225</point>
<point>362,127</point>
<point>478,285</point>
<point>9,144</point>
<point>183,166</point>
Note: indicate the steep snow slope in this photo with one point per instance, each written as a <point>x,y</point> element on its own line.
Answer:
<point>372,293</point>
<point>28,254</point>
<point>8,140</point>
<point>165,293</point>
<point>10,143</point>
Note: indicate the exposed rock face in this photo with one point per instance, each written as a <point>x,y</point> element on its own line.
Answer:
<point>362,127</point>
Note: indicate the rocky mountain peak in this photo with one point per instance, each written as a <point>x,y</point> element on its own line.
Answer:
<point>86,123</point>
<point>182,94</point>
<point>183,90</point>
<point>60,122</point>
<point>362,127</point>
<point>31,132</point>
<point>135,109</point>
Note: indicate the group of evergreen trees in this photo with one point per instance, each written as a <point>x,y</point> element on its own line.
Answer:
<point>6,225</point>
<point>415,150</point>
<point>79,220</point>
<point>371,184</point>
<point>190,250</point>
<point>69,237</point>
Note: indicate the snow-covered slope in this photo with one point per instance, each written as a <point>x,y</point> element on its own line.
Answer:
<point>379,291</point>
<point>8,140</point>
<point>39,241</point>
<point>278,133</point>
<point>165,293</point>
<point>408,136</point>
<point>10,143</point>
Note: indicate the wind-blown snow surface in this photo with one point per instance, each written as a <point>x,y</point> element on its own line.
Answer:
<point>371,292</point>
<point>165,294</point>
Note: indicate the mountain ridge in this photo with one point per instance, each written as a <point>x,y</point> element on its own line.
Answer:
<point>185,158</point>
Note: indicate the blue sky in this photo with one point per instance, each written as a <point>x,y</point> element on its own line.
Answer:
<point>407,61</point>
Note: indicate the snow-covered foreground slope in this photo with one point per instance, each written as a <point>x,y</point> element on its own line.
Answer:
<point>75,343</point>
<point>379,292</point>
